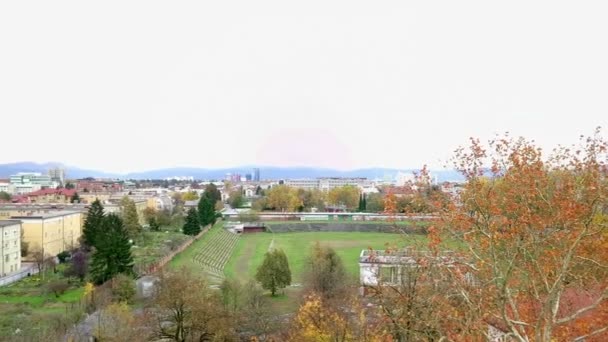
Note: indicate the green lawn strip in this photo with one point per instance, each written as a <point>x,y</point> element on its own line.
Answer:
<point>232,269</point>
<point>31,300</point>
<point>72,295</point>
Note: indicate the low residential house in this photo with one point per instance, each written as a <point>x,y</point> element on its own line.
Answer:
<point>97,186</point>
<point>369,190</point>
<point>52,232</point>
<point>380,267</point>
<point>4,187</point>
<point>90,197</point>
<point>10,246</point>
<point>141,203</point>
<point>190,204</point>
<point>51,196</point>
<point>161,203</point>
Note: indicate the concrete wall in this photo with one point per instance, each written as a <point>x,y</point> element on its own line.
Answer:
<point>343,227</point>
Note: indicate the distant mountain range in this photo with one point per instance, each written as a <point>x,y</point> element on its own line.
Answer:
<point>269,172</point>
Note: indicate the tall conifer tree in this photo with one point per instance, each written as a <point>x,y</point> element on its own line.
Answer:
<point>130,217</point>
<point>192,225</point>
<point>113,254</point>
<point>92,224</point>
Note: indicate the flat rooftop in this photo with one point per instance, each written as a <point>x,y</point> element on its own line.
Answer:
<point>404,257</point>
<point>6,223</point>
<point>48,215</point>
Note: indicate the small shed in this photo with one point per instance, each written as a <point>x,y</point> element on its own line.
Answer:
<point>256,227</point>
<point>145,286</point>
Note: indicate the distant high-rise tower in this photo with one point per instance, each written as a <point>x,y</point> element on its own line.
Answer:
<point>256,174</point>
<point>57,174</point>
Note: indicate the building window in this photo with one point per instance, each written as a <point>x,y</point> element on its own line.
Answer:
<point>6,258</point>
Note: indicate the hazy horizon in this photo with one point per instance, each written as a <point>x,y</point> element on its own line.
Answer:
<point>133,86</point>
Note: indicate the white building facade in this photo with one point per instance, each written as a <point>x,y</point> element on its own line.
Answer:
<point>10,246</point>
<point>328,183</point>
<point>26,182</point>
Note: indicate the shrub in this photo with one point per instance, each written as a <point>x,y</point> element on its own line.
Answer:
<point>57,287</point>
<point>123,288</point>
<point>63,256</point>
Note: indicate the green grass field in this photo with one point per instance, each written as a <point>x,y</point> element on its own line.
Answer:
<point>250,249</point>
<point>239,257</point>
<point>27,304</point>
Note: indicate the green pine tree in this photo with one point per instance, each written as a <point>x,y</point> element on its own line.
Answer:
<point>213,193</point>
<point>130,217</point>
<point>274,273</point>
<point>75,198</point>
<point>364,208</point>
<point>113,253</point>
<point>206,211</point>
<point>192,225</point>
<point>92,224</point>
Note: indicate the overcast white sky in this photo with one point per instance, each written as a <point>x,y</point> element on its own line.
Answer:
<point>127,86</point>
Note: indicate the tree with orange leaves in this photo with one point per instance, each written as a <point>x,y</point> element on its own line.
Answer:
<point>535,235</point>
<point>319,321</point>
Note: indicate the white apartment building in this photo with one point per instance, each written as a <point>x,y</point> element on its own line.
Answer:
<point>308,184</point>
<point>26,182</point>
<point>57,174</point>
<point>10,246</point>
<point>328,183</point>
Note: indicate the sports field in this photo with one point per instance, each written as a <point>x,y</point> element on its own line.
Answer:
<point>221,253</point>
<point>250,249</point>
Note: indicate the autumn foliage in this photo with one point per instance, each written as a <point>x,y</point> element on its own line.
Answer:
<point>535,236</point>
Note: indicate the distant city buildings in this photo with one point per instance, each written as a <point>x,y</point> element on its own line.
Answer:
<point>328,183</point>
<point>256,174</point>
<point>97,186</point>
<point>26,182</point>
<point>180,178</point>
<point>233,177</point>
<point>57,174</point>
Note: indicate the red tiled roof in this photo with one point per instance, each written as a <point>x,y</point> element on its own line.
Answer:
<point>43,192</point>
<point>19,199</point>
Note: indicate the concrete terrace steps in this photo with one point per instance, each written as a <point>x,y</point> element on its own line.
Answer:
<point>216,252</point>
